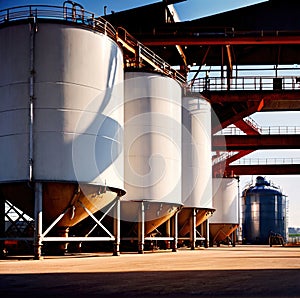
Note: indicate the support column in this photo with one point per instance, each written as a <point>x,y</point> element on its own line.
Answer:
<point>117,228</point>
<point>206,233</point>
<point>38,220</point>
<point>168,233</point>
<point>201,229</point>
<point>193,229</point>
<point>141,229</point>
<point>233,238</point>
<point>228,77</point>
<point>175,232</point>
<point>2,225</point>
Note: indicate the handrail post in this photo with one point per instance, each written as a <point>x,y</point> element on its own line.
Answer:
<point>81,9</point>
<point>261,84</point>
<point>93,21</point>
<point>65,8</point>
<point>7,15</point>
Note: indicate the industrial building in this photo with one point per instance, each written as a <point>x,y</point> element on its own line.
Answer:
<point>106,138</point>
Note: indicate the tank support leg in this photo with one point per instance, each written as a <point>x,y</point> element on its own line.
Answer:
<point>117,227</point>
<point>193,229</point>
<point>175,231</point>
<point>233,238</point>
<point>206,233</point>
<point>168,233</point>
<point>141,229</point>
<point>38,222</point>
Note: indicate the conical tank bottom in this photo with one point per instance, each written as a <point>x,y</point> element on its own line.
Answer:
<point>156,213</point>
<point>58,198</point>
<point>184,219</point>
<point>220,232</point>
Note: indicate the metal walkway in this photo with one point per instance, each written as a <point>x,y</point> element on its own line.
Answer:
<point>257,83</point>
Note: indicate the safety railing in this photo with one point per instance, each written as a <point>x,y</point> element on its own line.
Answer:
<point>69,12</point>
<point>144,53</point>
<point>246,83</point>
<point>74,12</point>
<point>210,32</point>
<point>267,161</point>
<point>252,123</point>
<point>265,130</point>
<point>223,157</point>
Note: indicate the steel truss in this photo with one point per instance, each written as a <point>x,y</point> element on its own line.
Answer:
<point>40,233</point>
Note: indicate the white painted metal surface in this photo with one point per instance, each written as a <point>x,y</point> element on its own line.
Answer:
<point>225,200</point>
<point>78,105</point>
<point>196,153</point>
<point>14,103</point>
<point>152,138</point>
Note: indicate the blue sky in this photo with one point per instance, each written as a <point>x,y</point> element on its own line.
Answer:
<point>188,10</point>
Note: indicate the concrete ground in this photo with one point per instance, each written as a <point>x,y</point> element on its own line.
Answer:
<point>241,271</point>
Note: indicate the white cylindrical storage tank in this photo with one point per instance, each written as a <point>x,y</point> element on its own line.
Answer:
<point>196,162</point>
<point>225,199</point>
<point>79,106</point>
<point>152,137</point>
<point>14,105</point>
<point>64,83</point>
<point>196,153</point>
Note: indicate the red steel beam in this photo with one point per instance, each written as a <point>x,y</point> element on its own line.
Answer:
<point>253,95</point>
<point>254,142</point>
<point>252,108</point>
<point>246,127</point>
<point>170,40</point>
<point>284,169</point>
<point>237,156</point>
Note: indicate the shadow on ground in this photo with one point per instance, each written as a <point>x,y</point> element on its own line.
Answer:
<point>203,283</point>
